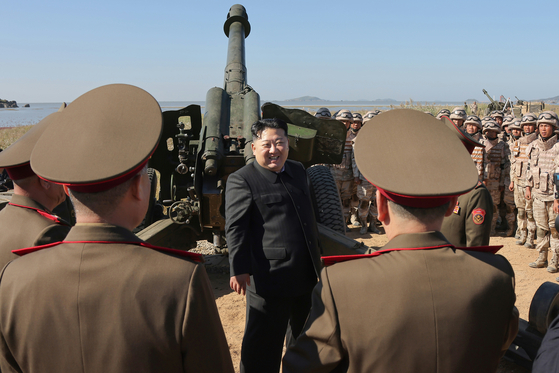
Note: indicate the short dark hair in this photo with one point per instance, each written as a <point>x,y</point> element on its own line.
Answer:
<point>262,124</point>
<point>417,213</point>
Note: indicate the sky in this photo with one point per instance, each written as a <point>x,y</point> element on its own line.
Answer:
<point>335,50</point>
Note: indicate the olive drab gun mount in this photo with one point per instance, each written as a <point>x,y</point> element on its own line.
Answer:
<point>195,156</point>
<point>493,105</point>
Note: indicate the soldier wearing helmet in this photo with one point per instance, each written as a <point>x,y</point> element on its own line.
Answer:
<point>458,116</point>
<point>370,115</point>
<point>543,157</point>
<point>443,113</point>
<point>364,192</point>
<point>497,167</point>
<point>323,113</point>
<point>473,128</point>
<point>343,172</point>
<point>518,173</point>
<point>498,116</point>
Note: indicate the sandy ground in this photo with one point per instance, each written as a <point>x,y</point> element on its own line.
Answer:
<point>232,306</point>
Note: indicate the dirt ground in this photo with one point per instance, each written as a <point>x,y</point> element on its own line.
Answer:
<point>232,306</point>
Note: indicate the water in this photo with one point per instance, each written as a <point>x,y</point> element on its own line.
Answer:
<point>24,116</point>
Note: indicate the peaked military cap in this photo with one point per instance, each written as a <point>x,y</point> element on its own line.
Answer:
<point>469,142</point>
<point>15,159</point>
<point>424,164</point>
<point>103,138</point>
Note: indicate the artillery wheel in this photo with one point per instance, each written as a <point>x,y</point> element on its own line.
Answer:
<point>326,199</point>
<point>544,307</point>
<point>150,217</point>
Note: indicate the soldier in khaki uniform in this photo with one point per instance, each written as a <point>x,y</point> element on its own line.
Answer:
<point>28,220</point>
<point>343,173</point>
<point>473,128</point>
<point>420,300</point>
<point>540,187</point>
<point>443,113</point>
<point>323,113</point>
<point>458,116</point>
<point>103,300</point>
<point>365,193</point>
<point>497,168</point>
<point>518,174</point>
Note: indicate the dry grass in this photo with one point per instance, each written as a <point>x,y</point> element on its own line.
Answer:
<point>9,135</point>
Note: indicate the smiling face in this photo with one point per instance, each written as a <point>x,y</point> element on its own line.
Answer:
<point>271,149</point>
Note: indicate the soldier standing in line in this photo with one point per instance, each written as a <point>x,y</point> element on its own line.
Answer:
<point>103,300</point>
<point>497,116</point>
<point>354,214</point>
<point>473,128</point>
<point>506,205</point>
<point>497,167</point>
<point>365,192</point>
<point>473,108</point>
<point>443,113</point>
<point>458,116</point>
<point>540,187</point>
<point>28,219</point>
<point>518,172</point>
<point>343,173</point>
<point>323,113</point>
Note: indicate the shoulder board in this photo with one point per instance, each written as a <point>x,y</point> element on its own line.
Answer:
<point>199,258</point>
<point>330,260</point>
<point>44,214</point>
<point>479,184</point>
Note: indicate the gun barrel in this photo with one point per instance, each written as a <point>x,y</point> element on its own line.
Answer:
<point>237,28</point>
<point>489,97</point>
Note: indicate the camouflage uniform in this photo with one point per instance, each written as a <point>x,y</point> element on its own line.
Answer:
<point>508,195</point>
<point>343,174</point>
<point>497,170</point>
<point>478,156</point>
<point>366,193</point>
<point>542,156</point>
<point>518,174</point>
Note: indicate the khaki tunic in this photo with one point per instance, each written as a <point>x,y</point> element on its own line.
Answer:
<point>116,306</point>
<point>422,310</point>
<point>28,224</point>
<point>470,223</point>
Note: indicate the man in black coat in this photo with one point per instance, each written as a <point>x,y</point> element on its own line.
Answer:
<point>273,246</point>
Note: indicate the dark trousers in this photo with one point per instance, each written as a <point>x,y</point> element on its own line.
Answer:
<point>266,328</point>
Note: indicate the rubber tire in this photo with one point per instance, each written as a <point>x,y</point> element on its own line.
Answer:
<point>326,199</point>
<point>149,218</point>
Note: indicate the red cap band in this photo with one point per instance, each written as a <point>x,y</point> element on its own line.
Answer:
<point>414,201</point>
<point>101,186</point>
<point>20,172</point>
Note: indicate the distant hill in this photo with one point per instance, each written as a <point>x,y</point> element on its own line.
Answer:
<point>551,100</point>
<point>306,99</point>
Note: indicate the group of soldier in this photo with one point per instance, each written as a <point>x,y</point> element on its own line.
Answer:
<point>517,165</point>
<point>356,192</point>
<point>516,161</point>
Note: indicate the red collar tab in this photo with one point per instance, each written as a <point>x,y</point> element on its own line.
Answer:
<point>198,258</point>
<point>330,260</point>
<point>20,172</point>
<point>43,213</point>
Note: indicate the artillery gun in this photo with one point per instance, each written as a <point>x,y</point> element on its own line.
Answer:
<point>194,158</point>
<point>493,105</point>
<point>522,107</point>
